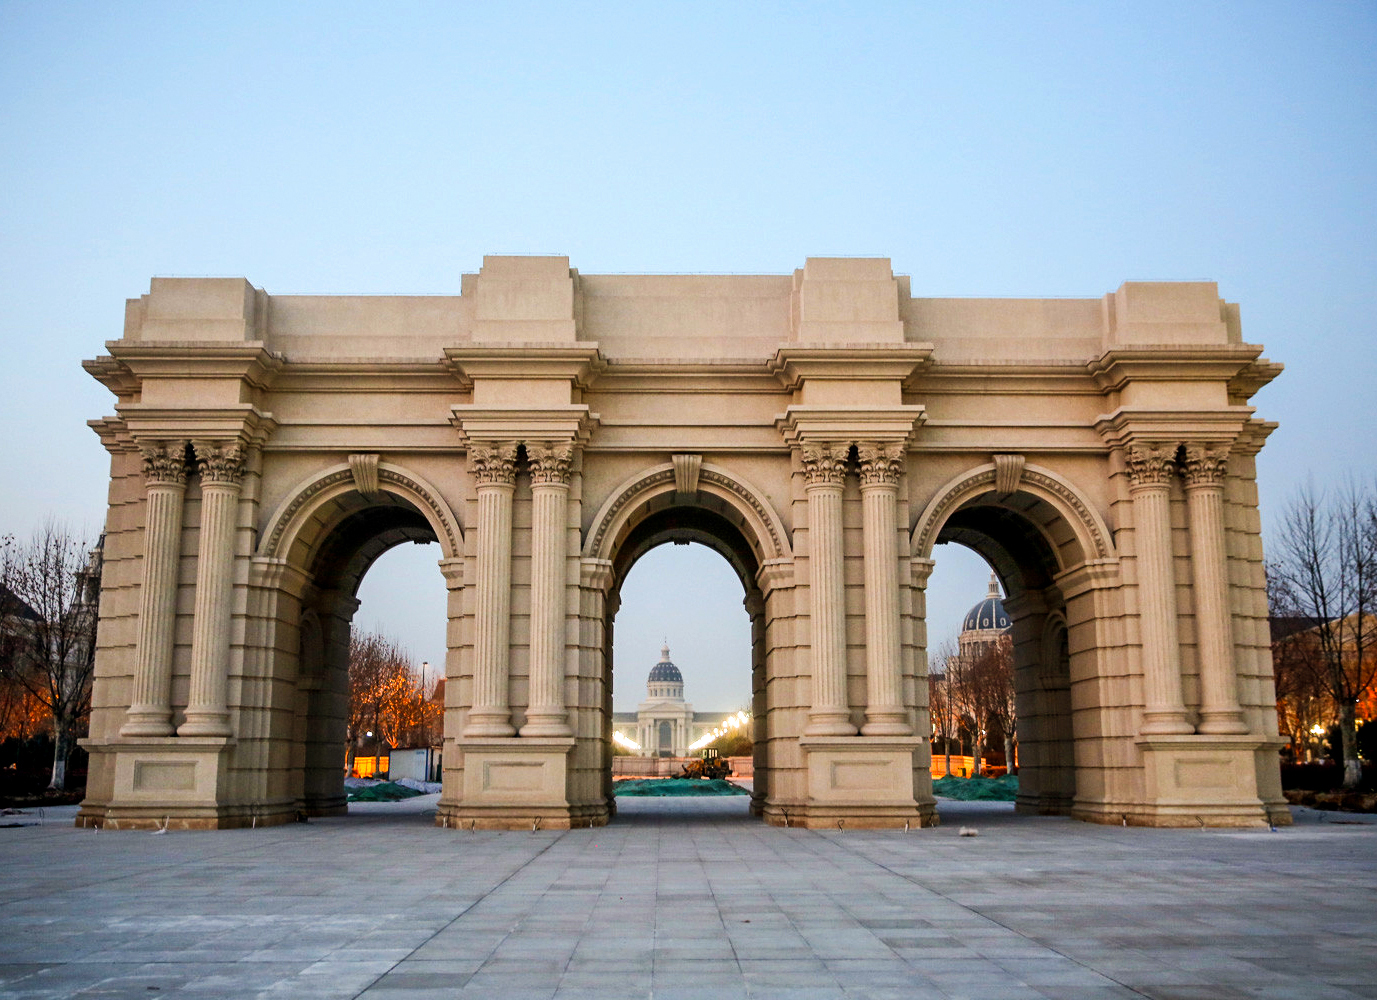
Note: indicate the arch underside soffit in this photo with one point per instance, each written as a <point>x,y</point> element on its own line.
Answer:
<point>1029,536</point>
<point>724,513</point>
<point>682,524</point>
<point>355,531</point>
<point>1008,540</point>
<point>299,525</point>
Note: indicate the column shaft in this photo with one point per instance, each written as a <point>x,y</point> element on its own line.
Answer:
<point>831,713</point>
<point>495,471</point>
<point>1219,708</point>
<point>1165,710</point>
<point>884,714</point>
<point>150,711</point>
<point>546,714</point>
<point>206,712</point>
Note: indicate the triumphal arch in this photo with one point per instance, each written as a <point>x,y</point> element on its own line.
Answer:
<point>821,430</point>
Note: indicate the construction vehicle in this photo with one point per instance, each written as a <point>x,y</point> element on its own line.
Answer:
<point>710,765</point>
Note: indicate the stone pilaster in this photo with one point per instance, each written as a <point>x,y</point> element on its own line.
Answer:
<point>494,469</point>
<point>881,467</point>
<point>549,463</point>
<point>164,472</point>
<point>221,466</point>
<point>1150,469</point>
<point>824,468</point>
<point>1204,472</point>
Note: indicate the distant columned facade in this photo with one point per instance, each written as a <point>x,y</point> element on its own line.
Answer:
<point>665,725</point>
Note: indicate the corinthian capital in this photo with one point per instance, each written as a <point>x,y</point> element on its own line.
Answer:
<point>1205,465</point>
<point>219,461</point>
<point>824,463</point>
<point>164,462</point>
<point>1150,464</point>
<point>493,463</point>
<point>549,461</point>
<point>881,463</point>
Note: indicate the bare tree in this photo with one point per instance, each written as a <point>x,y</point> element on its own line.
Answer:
<point>991,680</point>
<point>941,701</point>
<point>1326,571</point>
<point>387,694</point>
<point>1303,701</point>
<point>52,585</point>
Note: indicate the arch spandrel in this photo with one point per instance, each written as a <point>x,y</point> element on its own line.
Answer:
<point>291,518</point>
<point>1092,535</point>
<point>765,528</point>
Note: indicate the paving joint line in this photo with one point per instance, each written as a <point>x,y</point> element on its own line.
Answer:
<point>462,913</point>
<point>983,916</point>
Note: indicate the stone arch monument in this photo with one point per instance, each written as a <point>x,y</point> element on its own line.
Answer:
<point>822,431</point>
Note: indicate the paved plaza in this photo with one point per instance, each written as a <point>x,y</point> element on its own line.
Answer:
<point>684,899</point>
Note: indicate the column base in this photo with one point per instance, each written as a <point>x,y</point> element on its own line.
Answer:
<point>1202,780</point>
<point>148,723</point>
<point>515,783</point>
<point>860,782</point>
<point>1166,724</point>
<point>212,724</point>
<point>489,724</point>
<point>830,724</point>
<point>174,783</point>
<point>546,724</point>
<point>887,723</point>
<point>1226,723</point>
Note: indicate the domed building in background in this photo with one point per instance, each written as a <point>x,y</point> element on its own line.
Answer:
<point>665,724</point>
<point>983,625</point>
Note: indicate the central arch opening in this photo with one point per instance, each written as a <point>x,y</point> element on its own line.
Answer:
<point>685,585</point>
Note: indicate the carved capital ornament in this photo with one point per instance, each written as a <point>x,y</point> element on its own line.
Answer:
<point>824,464</point>
<point>549,462</point>
<point>219,462</point>
<point>881,463</point>
<point>493,464</point>
<point>1150,465</point>
<point>164,463</point>
<point>1205,465</point>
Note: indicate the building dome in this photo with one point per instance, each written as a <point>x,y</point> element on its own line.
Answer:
<point>988,614</point>
<point>665,672</point>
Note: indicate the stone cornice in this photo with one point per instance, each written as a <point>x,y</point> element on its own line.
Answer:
<point>1124,427</point>
<point>572,423</point>
<point>252,361</point>
<point>580,364</point>
<point>244,423</point>
<point>1120,365</point>
<point>793,363</point>
<point>802,424</point>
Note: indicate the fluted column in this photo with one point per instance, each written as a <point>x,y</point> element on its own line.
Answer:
<point>824,466</point>
<point>221,466</point>
<point>881,466</point>
<point>546,715</point>
<point>494,468</point>
<point>1149,469</point>
<point>1204,473</point>
<point>164,473</point>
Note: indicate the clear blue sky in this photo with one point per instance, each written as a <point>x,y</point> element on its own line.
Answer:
<point>991,149</point>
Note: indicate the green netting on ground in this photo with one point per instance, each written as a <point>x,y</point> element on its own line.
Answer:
<point>1001,789</point>
<point>676,786</point>
<point>388,791</point>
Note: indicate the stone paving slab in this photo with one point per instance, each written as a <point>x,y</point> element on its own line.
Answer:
<point>689,900</point>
